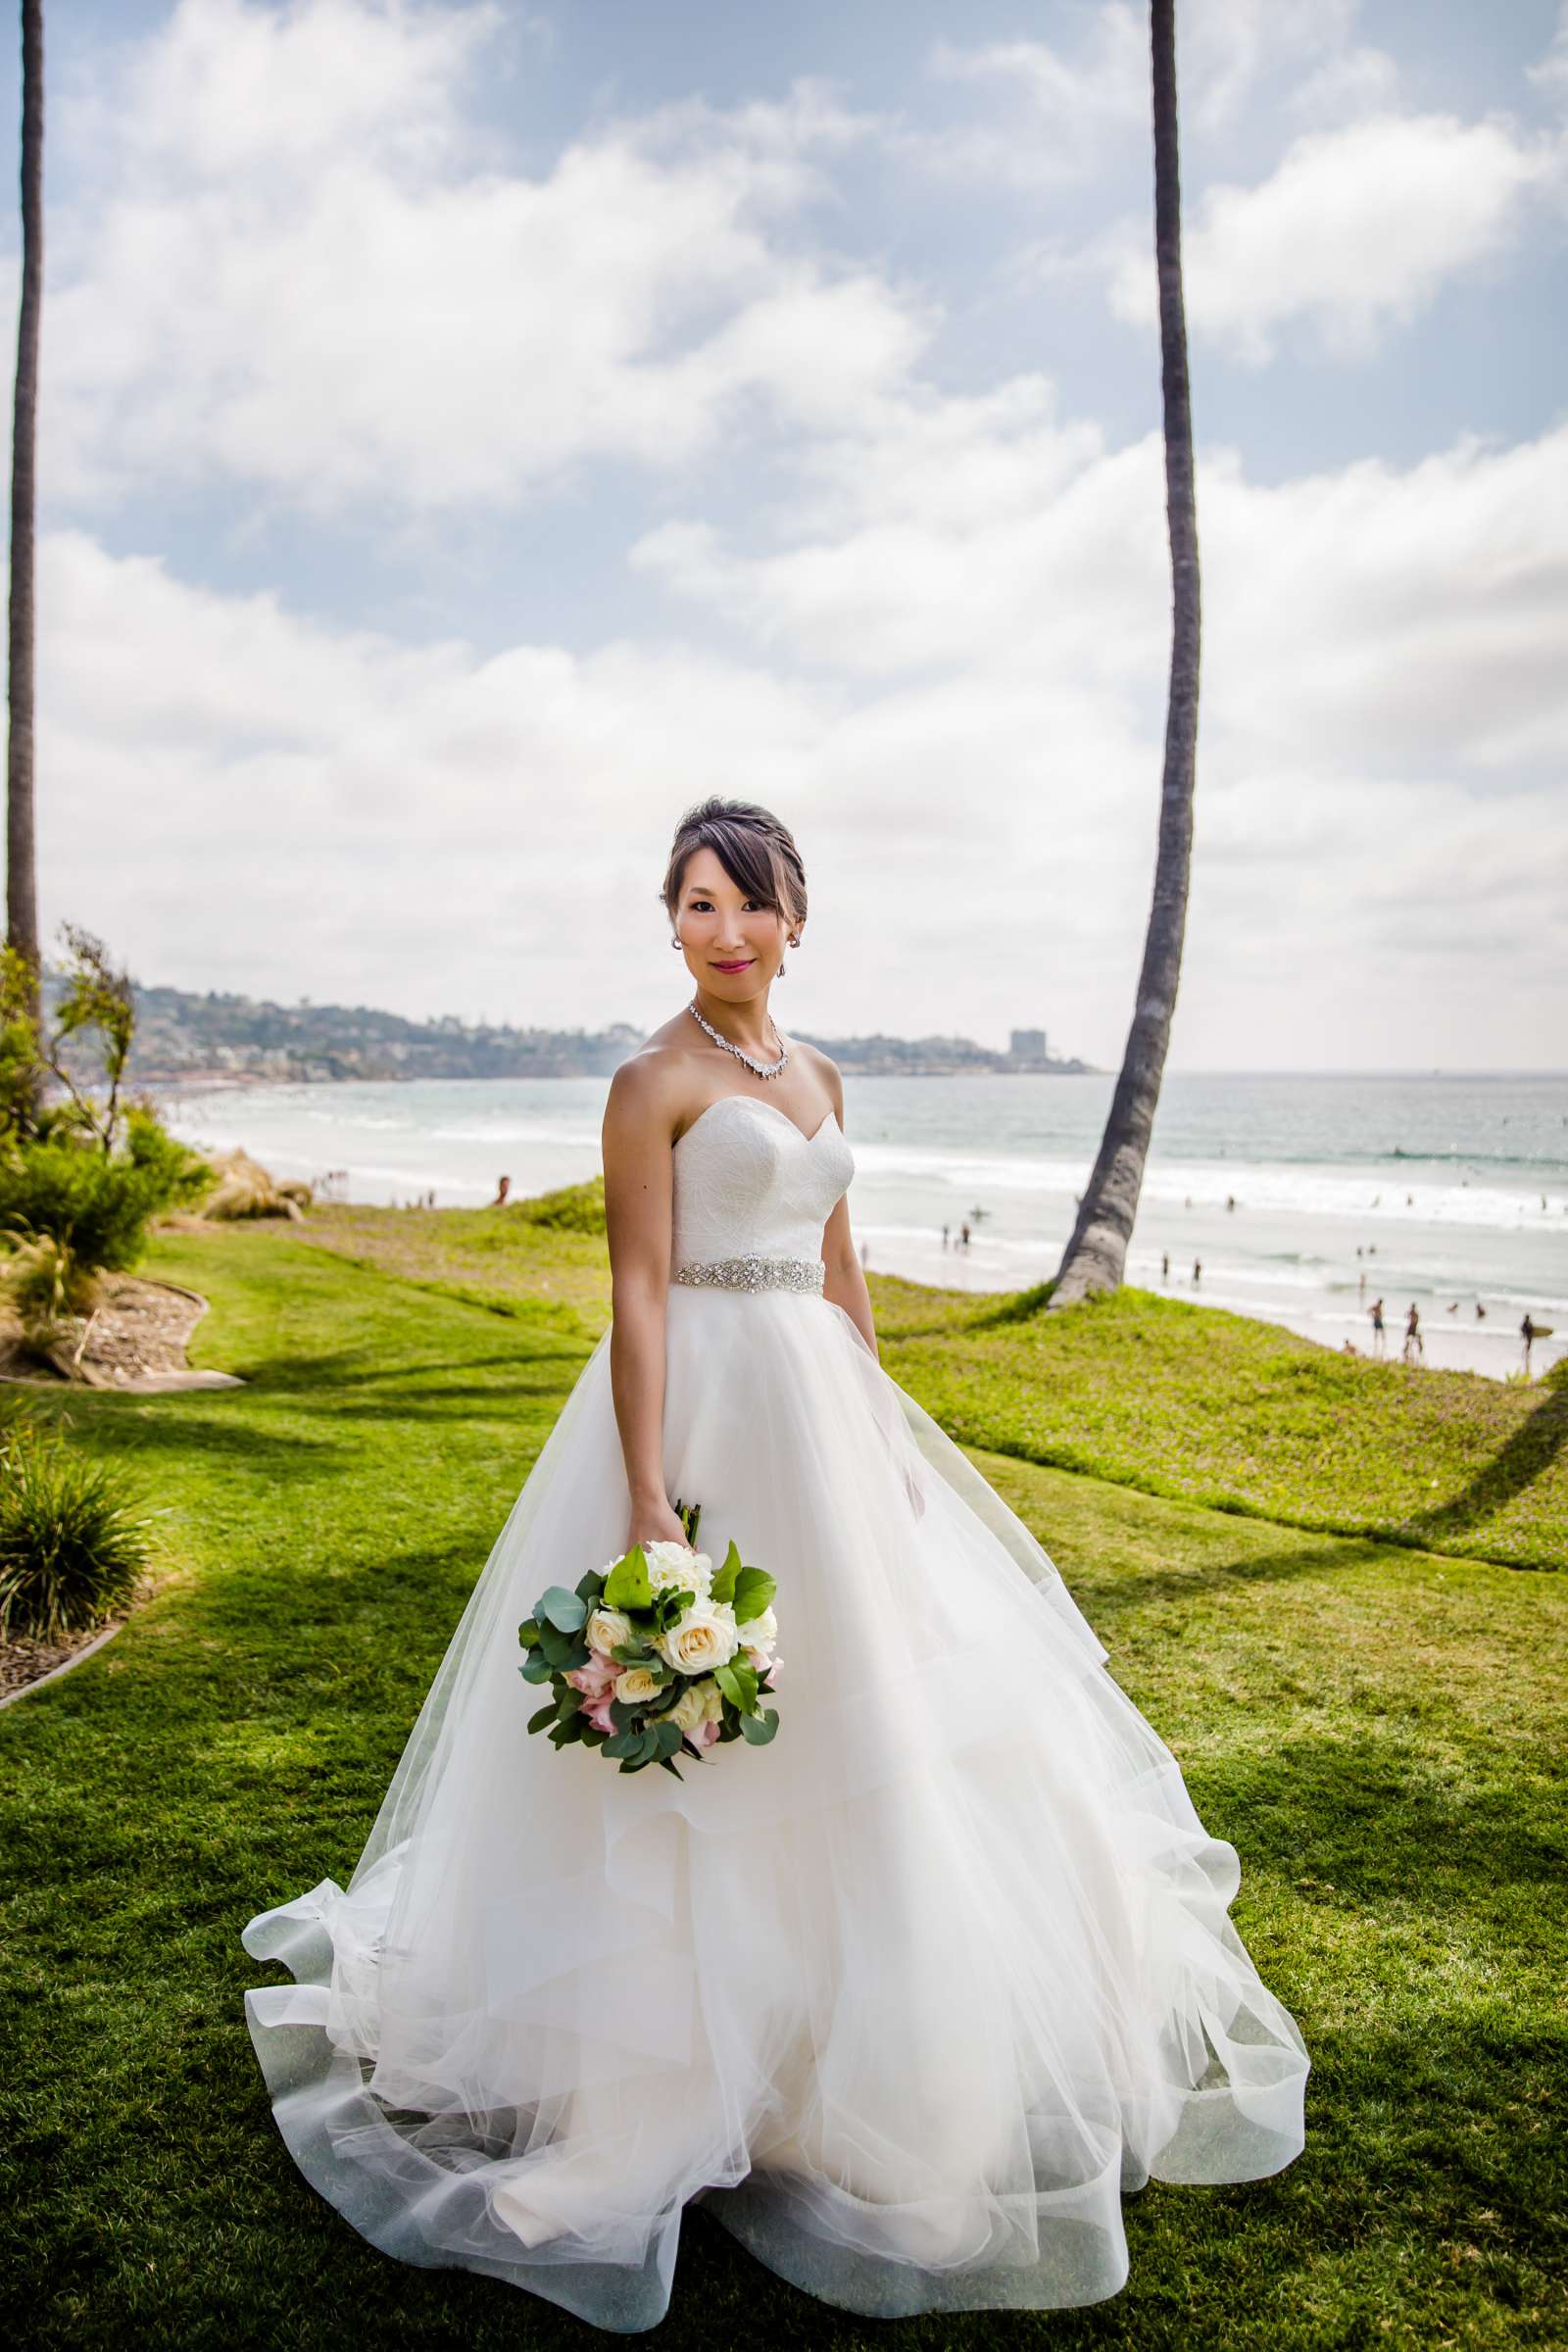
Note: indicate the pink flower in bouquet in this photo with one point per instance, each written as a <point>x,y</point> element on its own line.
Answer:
<point>597,1675</point>
<point>704,1735</point>
<point>597,1709</point>
<point>764,1663</point>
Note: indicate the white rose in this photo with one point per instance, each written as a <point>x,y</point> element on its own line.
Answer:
<point>704,1637</point>
<point>609,1630</point>
<point>713,1699</point>
<point>635,1684</point>
<point>690,1708</point>
<point>676,1568</point>
<point>760,1632</point>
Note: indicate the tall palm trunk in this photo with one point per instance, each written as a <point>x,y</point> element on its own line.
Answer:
<point>1097,1255</point>
<point>22,872</point>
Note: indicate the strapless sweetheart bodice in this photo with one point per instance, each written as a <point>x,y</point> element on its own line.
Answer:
<point>748,1181</point>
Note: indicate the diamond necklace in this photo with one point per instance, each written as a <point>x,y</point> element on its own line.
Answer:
<point>763,1069</point>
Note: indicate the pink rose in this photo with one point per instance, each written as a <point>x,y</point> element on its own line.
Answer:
<point>703,1735</point>
<point>597,1711</point>
<point>768,1665</point>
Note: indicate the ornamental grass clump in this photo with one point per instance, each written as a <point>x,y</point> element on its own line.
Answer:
<point>245,1188</point>
<point>74,1541</point>
<point>44,1287</point>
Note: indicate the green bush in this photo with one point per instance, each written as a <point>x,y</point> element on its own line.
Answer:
<point>571,1208</point>
<point>97,1205</point>
<point>73,1544</point>
<point>178,1174</point>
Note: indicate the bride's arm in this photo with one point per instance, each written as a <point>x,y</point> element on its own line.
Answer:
<point>639,1187</point>
<point>843,1282</point>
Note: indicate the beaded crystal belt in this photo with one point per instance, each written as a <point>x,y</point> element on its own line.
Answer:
<point>756,1273</point>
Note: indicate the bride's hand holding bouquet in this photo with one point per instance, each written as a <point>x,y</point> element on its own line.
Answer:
<point>657,1655</point>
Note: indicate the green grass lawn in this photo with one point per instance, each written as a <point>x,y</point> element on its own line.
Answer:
<point>1380,1728</point>
<point>1149,1392</point>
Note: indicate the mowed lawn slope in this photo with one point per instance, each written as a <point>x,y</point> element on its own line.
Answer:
<point>1148,1390</point>
<point>1379,1730</point>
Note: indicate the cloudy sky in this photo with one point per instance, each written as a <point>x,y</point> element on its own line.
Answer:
<point>472,433</point>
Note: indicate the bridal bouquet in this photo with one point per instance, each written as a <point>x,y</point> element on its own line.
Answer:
<point>660,1653</point>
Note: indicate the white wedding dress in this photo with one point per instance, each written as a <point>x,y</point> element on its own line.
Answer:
<point>906,1998</point>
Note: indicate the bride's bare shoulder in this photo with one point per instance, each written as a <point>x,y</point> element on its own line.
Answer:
<point>649,1090</point>
<point>826,1071</point>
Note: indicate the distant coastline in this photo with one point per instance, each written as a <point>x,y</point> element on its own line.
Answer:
<point>214,1040</point>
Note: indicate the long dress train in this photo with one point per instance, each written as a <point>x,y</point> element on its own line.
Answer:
<point>906,1998</point>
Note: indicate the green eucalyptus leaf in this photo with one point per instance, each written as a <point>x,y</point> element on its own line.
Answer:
<point>567,1611</point>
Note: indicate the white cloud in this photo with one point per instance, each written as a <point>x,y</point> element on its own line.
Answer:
<point>1385,619</point>
<point>298,264</point>
<point>292,272</point>
<point>1356,229</point>
<point>1351,83</point>
<point>970,758</point>
<point>1550,72</point>
<point>238,797</point>
<point>1066,107</point>
<point>1057,113</point>
<point>1384,711</point>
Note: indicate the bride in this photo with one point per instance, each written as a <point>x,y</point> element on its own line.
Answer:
<point>908,1997</point>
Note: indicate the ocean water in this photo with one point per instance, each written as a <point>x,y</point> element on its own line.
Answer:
<point>1448,1192</point>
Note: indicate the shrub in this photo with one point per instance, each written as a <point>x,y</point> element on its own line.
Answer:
<point>173,1173</point>
<point>73,1543</point>
<point>571,1208</point>
<point>97,1207</point>
<point>87,1170</point>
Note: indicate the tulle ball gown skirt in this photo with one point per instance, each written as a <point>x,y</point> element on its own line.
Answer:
<point>906,1998</point>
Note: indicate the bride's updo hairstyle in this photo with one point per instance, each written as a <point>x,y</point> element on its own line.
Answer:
<point>756,851</point>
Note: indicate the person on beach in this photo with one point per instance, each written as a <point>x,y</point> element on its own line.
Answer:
<point>1198,1272</point>
<point>1164,1266</point>
<point>501,1190</point>
<point>1375,1310</point>
<point>1414,1344</point>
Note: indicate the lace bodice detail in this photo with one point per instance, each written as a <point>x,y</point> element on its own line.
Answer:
<point>747,1179</point>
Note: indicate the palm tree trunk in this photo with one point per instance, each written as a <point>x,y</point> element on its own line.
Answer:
<point>22,869</point>
<point>1097,1255</point>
